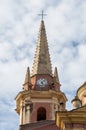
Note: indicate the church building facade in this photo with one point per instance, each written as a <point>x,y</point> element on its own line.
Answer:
<point>76,118</point>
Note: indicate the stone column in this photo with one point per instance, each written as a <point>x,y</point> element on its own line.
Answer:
<point>27,110</point>
<point>53,112</point>
<point>21,113</point>
<point>62,106</point>
<point>24,114</point>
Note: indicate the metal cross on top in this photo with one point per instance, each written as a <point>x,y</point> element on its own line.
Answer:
<point>42,14</point>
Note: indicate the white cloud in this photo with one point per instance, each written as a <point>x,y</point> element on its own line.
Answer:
<point>5,11</point>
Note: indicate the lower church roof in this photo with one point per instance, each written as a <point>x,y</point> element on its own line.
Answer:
<point>40,125</point>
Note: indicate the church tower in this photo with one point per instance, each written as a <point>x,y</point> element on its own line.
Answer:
<point>41,96</point>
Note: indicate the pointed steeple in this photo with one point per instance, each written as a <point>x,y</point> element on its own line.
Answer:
<point>27,78</point>
<point>56,78</point>
<point>42,63</point>
<point>27,82</point>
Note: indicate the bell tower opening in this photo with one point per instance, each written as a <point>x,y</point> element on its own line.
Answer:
<point>41,114</point>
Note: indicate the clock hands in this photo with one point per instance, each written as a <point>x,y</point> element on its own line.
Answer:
<point>41,82</point>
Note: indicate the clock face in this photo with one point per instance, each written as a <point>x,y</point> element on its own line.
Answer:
<point>42,82</point>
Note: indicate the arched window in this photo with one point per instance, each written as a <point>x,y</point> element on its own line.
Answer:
<point>41,114</point>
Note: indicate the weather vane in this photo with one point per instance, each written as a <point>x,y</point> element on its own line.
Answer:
<point>42,14</point>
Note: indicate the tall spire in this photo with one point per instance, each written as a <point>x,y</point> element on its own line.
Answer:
<point>42,63</point>
<point>56,78</point>
<point>27,82</point>
<point>27,78</point>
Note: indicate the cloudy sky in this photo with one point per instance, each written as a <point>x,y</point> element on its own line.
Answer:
<point>66,33</point>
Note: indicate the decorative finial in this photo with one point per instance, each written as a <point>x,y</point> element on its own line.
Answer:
<point>76,102</point>
<point>42,14</point>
